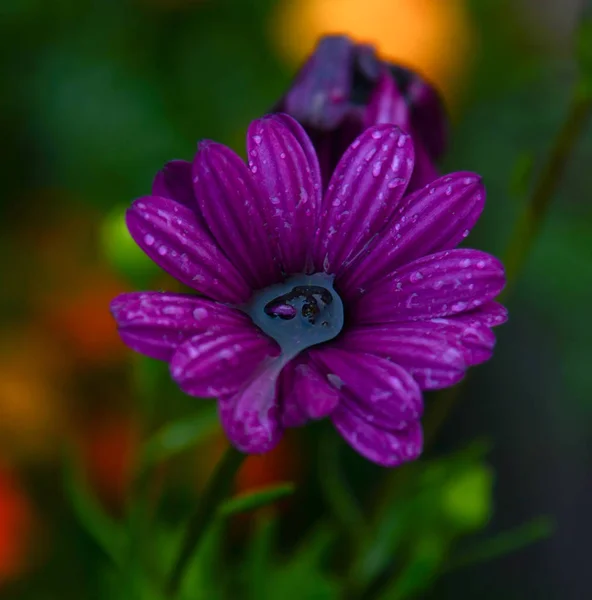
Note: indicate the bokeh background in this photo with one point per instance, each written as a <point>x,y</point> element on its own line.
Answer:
<point>96,96</point>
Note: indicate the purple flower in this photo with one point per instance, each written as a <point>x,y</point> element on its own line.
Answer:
<point>345,88</point>
<point>342,306</point>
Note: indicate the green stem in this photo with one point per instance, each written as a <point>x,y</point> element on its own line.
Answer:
<point>215,493</point>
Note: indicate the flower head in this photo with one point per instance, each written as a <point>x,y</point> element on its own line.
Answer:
<point>345,88</point>
<point>343,305</point>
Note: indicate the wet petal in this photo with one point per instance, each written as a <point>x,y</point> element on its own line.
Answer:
<point>156,324</point>
<point>436,218</point>
<point>363,193</point>
<point>434,358</point>
<point>386,448</point>
<point>380,391</point>
<point>306,393</point>
<point>288,176</point>
<point>234,209</point>
<point>170,234</point>
<point>174,181</point>
<point>220,362</point>
<point>251,417</point>
<point>439,285</point>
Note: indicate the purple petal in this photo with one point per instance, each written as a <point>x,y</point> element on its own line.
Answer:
<point>491,314</point>
<point>387,105</point>
<point>234,209</point>
<point>439,285</point>
<point>251,416</point>
<point>319,97</point>
<point>429,117</point>
<point>306,394</point>
<point>171,236</point>
<point>425,171</point>
<point>174,181</point>
<point>435,359</point>
<point>378,390</point>
<point>386,448</point>
<point>156,324</point>
<point>438,217</point>
<point>218,363</point>
<point>285,167</point>
<point>364,191</point>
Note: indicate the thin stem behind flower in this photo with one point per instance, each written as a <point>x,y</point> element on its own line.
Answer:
<point>214,494</point>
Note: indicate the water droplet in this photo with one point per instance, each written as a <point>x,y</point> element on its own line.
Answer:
<point>148,239</point>
<point>458,307</point>
<point>438,284</point>
<point>283,155</point>
<point>415,277</point>
<point>481,264</point>
<point>465,233</point>
<point>376,169</point>
<point>253,169</point>
<point>370,154</point>
<point>448,191</point>
<point>464,263</point>
<point>377,135</point>
<point>355,143</point>
<point>402,141</point>
<point>163,250</point>
<point>257,139</point>
<point>432,190</point>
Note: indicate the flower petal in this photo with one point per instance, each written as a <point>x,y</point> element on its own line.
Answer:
<point>491,314</point>
<point>288,174</point>
<point>234,209</point>
<point>378,390</point>
<point>364,191</point>
<point>156,324</point>
<point>251,416</point>
<point>386,448</point>
<point>434,359</point>
<point>306,394</point>
<point>319,96</point>
<point>170,234</point>
<point>439,285</point>
<point>174,181</point>
<point>436,218</point>
<point>221,362</point>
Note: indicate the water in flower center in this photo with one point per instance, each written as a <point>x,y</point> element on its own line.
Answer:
<point>301,312</point>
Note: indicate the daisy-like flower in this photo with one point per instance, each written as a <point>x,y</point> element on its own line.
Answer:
<point>344,88</point>
<point>343,305</point>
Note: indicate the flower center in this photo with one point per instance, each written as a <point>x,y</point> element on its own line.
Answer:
<point>303,311</point>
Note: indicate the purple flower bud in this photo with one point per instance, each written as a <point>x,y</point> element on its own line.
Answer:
<point>344,88</point>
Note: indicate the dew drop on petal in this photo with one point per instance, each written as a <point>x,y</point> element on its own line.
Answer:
<point>149,239</point>
<point>416,276</point>
<point>465,262</point>
<point>257,139</point>
<point>200,313</point>
<point>377,135</point>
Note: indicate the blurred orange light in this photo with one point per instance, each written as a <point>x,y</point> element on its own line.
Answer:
<point>109,445</point>
<point>430,36</point>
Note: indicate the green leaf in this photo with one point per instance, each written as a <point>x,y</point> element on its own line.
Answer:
<point>259,558</point>
<point>503,543</point>
<point>256,499</point>
<point>102,528</point>
<point>336,492</point>
<point>180,435</point>
<point>419,572</point>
